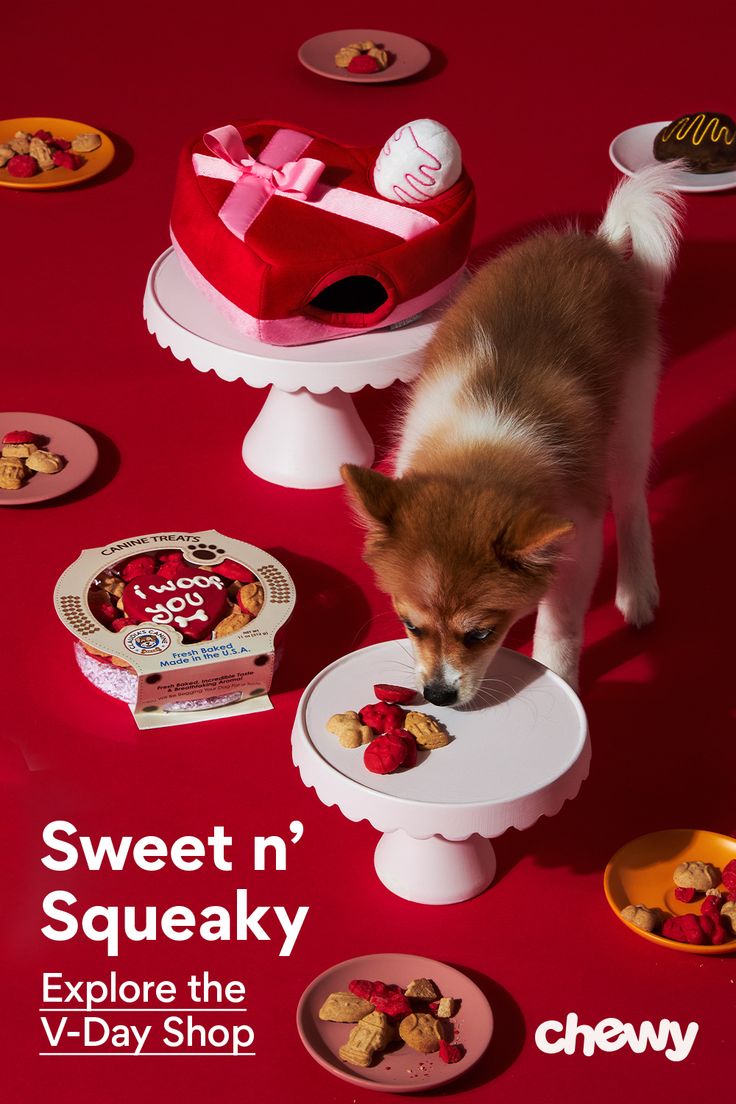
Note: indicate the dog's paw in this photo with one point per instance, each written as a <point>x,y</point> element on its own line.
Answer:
<point>638,606</point>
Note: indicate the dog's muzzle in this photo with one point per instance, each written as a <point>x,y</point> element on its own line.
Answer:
<point>439,694</point>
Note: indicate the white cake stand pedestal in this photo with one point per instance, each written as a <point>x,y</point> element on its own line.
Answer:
<point>308,425</point>
<point>507,764</point>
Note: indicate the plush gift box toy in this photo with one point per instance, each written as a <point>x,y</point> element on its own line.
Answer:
<point>297,238</point>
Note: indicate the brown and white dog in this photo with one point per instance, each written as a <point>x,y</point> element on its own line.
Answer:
<point>534,405</point>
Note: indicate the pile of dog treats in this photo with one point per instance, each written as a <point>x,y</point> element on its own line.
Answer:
<point>21,458</point>
<point>27,154</point>
<point>418,1016</point>
<point>362,57</point>
<point>716,922</point>
<point>392,736</point>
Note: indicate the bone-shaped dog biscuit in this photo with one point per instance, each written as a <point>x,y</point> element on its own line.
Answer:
<point>348,729</point>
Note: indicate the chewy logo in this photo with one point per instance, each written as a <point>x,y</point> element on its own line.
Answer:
<point>611,1034</point>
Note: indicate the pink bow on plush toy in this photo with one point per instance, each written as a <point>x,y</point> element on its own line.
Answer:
<point>258,180</point>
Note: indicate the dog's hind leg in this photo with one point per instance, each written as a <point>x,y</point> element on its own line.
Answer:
<point>637,593</point>
<point>558,636</point>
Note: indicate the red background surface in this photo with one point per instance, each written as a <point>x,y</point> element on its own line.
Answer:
<point>534,97</point>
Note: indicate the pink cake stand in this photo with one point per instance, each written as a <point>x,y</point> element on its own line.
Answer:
<point>308,425</point>
<point>508,763</point>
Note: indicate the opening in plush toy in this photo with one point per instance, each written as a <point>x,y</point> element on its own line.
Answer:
<point>351,295</point>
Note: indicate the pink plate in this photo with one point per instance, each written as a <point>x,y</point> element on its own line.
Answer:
<point>65,439</point>
<point>400,1069</point>
<point>407,55</point>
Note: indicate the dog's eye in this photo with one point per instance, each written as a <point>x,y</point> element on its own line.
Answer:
<point>413,629</point>
<point>475,636</point>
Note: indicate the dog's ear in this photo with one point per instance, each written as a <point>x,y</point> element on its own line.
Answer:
<point>374,495</point>
<point>533,538</point>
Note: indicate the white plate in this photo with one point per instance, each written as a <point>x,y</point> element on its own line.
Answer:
<point>631,151</point>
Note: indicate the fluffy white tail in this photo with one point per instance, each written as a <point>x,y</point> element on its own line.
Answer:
<point>644,214</point>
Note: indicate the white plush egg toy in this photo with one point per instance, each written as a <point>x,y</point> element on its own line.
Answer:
<point>420,161</point>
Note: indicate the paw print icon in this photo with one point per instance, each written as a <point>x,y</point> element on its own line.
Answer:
<point>204,554</point>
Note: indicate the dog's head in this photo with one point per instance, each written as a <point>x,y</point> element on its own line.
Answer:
<point>461,564</point>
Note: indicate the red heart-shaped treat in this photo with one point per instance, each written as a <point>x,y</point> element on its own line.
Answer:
<point>400,695</point>
<point>191,603</point>
<point>685,929</point>
<point>361,988</point>
<point>363,63</point>
<point>384,754</point>
<point>382,716</point>
<point>19,437</point>
<point>138,565</point>
<point>229,569</point>
<point>388,999</point>
<point>172,564</point>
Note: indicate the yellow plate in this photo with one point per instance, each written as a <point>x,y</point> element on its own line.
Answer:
<point>640,873</point>
<point>94,162</point>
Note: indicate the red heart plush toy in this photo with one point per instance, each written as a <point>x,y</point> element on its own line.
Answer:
<point>285,232</point>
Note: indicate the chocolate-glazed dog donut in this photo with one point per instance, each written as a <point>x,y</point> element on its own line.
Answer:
<point>707,140</point>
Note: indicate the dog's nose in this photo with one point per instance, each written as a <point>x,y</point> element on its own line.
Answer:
<point>439,694</point>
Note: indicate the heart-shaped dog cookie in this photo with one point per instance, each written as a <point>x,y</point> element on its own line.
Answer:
<point>190,603</point>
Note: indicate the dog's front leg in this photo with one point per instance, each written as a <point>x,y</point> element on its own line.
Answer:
<point>558,636</point>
